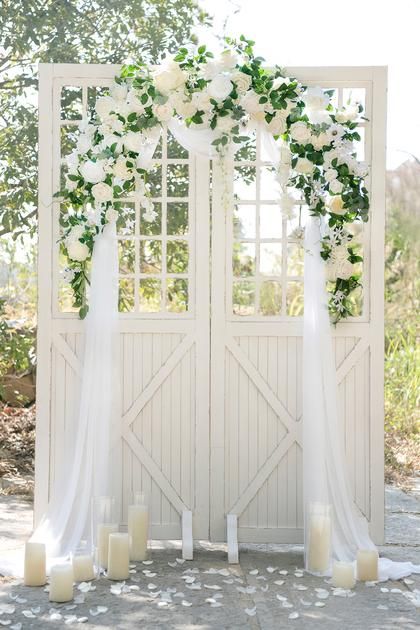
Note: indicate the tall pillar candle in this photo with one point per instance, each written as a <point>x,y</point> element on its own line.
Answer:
<point>118,557</point>
<point>138,531</point>
<point>343,575</point>
<point>319,534</point>
<point>103,532</point>
<point>61,583</point>
<point>35,564</point>
<point>367,565</point>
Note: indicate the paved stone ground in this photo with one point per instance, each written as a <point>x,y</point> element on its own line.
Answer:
<point>207,593</point>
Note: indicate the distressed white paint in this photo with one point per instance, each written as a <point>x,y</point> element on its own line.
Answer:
<point>246,461</point>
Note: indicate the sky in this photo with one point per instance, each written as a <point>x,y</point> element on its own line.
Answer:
<point>333,33</point>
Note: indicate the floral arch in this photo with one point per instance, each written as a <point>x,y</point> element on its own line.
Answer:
<point>211,104</point>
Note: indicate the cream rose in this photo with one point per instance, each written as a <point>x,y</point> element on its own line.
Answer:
<point>300,132</point>
<point>330,174</point>
<point>105,105</point>
<point>201,101</point>
<point>92,172</point>
<point>111,215</point>
<point>336,205</point>
<point>77,251</point>
<point>121,169</point>
<point>336,187</point>
<point>277,126</point>
<point>186,109</point>
<point>162,112</point>
<point>320,141</point>
<point>133,141</point>
<point>168,76</point>
<point>341,270</point>
<point>251,103</point>
<point>102,192</point>
<point>242,80</point>
<point>304,166</point>
<point>225,123</point>
<point>220,87</point>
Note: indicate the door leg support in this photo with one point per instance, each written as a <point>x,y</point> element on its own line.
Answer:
<point>232,538</point>
<point>187,536</point>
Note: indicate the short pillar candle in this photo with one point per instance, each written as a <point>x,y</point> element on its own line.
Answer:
<point>118,557</point>
<point>61,582</point>
<point>138,527</point>
<point>367,565</point>
<point>35,564</point>
<point>343,575</point>
<point>83,570</point>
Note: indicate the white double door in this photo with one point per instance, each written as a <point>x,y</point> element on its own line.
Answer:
<point>211,338</point>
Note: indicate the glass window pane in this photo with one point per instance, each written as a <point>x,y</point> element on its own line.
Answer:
<point>177,295</point>
<point>177,180</point>
<point>270,298</point>
<point>151,228</point>
<point>150,296</point>
<point>295,255</point>
<point>269,187</point>
<point>244,183</point>
<point>154,178</point>
<point>174,149</point>
<point>126,295</point>
<point>177,218</point>
<point>177,257</point>
<point>93,93</point>
<point>270,221</point>
<point>244,220</point>
<point>71,103</point>
<point>248,150</point>
<point>126,256</point>
<point>270,259</point>
<point>243,298</point>
<point>354,95</point>
<point>150,256</point>
<point>294,299</point>
<point>126,219</point>
<point>243,259</point>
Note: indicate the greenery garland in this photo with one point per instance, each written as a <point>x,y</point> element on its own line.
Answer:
<point>227,94</point>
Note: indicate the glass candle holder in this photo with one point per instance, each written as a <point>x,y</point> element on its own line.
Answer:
<point>138,526</point>
<point>82,561</point>
<point>104,523</point>
<point>318,538</point>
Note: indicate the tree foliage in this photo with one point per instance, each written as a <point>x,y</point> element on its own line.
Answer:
<point>67,31</point>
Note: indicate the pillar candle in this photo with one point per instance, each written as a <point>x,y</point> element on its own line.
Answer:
<point>319,543</point>
<point>104,531</point>
<point>61,583</point>
<point>343,575</point>
<point>367,565</point>
<point>138,530</point>
<point>83,567</point>
<point>118,557</point>
<point>35,564</point>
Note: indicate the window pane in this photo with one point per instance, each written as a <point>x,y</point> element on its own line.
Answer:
<point>150,296</point>
<point>177,295</point>
<point>71,103</point>
<point>150,256</point>
<point>154,177</point>
<point>126,219</point>
<point>126,256</point>
<point>248,150</point>
<point>270,221</point>
<point>174,149</point>
<point>243,298</point>
<point>244,219</point>
<point>270,298</point>
<point>126,295</point>
<point>243,259</point>
<point>177,180</point>
<point>93,93</point>
<point>177,257</point>
<point>270,259</point>
<point>151,228</point>
<point>269,188</point>
<point>177,218</point>
<point>294,299</point>
<point>354,95</point>
<point>244,186</point>
<point>295,256</point>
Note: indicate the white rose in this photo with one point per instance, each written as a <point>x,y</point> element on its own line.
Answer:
<point>119,91</point>
<point>242,80</point>
<point>360,169</point>
<point>201,101</point>
<point>336,205</point>
<point>251,103</point>
<point>277,126</point>
<point>228,59</point>
<point>225,123</point>
<point>304,166</point>
<point>347,114</point>
<point>77,251</point>
<point>168,76</point>
<point>330,174</point>
<point>220,87</point>
<point>315,98</point>
<point>92,172</point>
<point>336,187</point>
<point>336,132</point>
<point>105,105</point>
<point>109,140</point>
<point>111,215</point>
<point>339,254</point>
<point>210,70</point>
<point>162,112</point>
<point>133,102</point>
<point>84,143</point>
<point>121,169</point>
<point>102,192</point>
<point>75,233</point>
<point>133,141</point>
<point>186,109</point>
<point>320,141</point>
<point>341,270</point>
<point>300,132</point>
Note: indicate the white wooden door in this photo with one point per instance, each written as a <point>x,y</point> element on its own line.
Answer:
<point>164,319</point>
<point>256,347</point>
